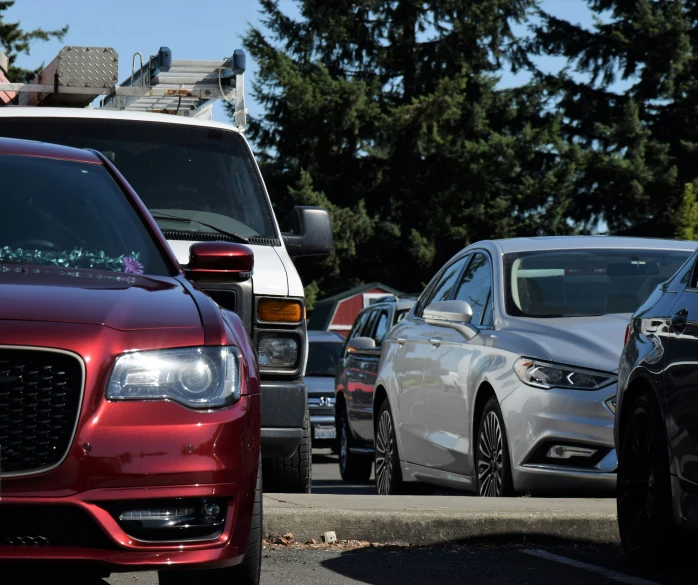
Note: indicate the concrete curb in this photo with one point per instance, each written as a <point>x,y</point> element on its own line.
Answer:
<point>438,520</point>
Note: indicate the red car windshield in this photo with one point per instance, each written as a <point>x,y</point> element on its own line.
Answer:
<point>72,215</point>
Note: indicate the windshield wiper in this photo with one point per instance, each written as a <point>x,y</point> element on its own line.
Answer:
<point>238,237</point>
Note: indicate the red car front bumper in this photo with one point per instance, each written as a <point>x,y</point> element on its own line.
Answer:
<point>125,455</point>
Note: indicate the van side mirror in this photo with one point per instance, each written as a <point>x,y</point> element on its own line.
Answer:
<point>452,314</point>
<point>312,232</point>
<point>235,260</point>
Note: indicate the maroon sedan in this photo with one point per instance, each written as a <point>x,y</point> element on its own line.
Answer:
<point>129,401</point>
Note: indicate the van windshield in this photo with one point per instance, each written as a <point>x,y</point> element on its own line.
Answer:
<point>192,172</point>
<point>582,283</point>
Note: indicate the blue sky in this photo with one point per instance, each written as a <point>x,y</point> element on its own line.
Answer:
<point>204,29</point>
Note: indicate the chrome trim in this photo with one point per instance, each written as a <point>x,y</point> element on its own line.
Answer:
<point>36,471</point>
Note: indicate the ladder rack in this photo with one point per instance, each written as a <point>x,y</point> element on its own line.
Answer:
<point>79,75</point>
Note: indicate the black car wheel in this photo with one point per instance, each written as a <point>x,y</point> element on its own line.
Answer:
<point>493,465</point>
<point>352,466</point>
<point>645,521</point>
<point>294,474</point>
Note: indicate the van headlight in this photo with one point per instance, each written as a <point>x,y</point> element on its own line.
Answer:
<point>196,377</point>
<point>278,351</point>
<point>548,375</point>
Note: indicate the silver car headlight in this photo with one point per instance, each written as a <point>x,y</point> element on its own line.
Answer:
<point>548,375</point>
<point>197,377</point>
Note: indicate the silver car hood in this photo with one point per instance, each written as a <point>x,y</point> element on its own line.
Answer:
<point>589,342</point>
<point>319,384</point>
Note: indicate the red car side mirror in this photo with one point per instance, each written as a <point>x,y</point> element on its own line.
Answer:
<point>221,258</point>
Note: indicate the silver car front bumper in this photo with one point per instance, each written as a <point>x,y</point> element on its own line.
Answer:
<point>538,420</point>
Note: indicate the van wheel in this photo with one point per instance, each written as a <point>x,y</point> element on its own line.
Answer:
<point>291,475</point>
<point>352,467</point>
<point>246,573</point>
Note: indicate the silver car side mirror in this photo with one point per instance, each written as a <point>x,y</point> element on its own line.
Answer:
<point>364,345</point>
<point>452,314</point>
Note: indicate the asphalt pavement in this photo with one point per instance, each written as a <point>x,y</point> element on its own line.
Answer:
<point>494,563</point>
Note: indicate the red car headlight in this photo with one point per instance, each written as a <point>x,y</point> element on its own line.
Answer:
<point>196,377</point>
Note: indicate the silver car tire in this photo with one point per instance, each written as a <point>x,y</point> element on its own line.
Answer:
<point>389,480</point>
<point>493,465</point>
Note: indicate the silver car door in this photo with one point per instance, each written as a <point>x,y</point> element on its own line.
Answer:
<point>450,376</point>
<point>418,348</point>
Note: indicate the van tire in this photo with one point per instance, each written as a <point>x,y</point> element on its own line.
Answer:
<point>294,474</point>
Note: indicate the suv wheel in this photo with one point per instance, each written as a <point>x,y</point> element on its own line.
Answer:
<point>246,573</point>
<point>352,467</point>
<point>493,463</point>
<point>294,474</point>
<point>645,519</point>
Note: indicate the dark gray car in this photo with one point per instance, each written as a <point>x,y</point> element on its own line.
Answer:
<point>356,377</point>
<point>324,349</point>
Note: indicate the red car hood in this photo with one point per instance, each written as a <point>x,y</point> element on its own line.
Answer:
<point>123,302</point>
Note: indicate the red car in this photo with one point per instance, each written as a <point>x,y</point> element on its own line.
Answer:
<point>129,400</point>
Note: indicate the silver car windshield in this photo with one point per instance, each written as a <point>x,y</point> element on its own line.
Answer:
<point>576,283</point>
<point>184,174</point>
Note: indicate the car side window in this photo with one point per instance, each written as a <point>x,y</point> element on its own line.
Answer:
<point>443,290</point>
<point>358,325</point>
<point>370,324</point>
<point>382,326</point>
<point>476,285</point>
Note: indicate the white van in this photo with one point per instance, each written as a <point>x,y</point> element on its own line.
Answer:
<point>200,181</point>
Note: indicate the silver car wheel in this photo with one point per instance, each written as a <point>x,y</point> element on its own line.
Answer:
<point>490,459</point>
<point>384,454</point>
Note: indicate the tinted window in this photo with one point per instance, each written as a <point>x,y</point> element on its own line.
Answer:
<point>193,172</point>
<point>585,282</point>
<point>73,215</point>
<point>382,326</point>
<point>359,324</point>
<point>323,357</point>
<point>475,286</point>
<point>399,315</point>
<point>444,287</point>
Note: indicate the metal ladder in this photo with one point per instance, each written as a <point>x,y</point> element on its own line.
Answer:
<point>161,85</point>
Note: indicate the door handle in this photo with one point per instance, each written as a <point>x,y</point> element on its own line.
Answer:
<point>436,341</point>
<point>401,341</point>
<point>678,321</point>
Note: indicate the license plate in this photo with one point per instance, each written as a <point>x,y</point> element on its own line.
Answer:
<point>325,433</point>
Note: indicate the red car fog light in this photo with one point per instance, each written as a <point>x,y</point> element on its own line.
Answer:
<point>172,520</point>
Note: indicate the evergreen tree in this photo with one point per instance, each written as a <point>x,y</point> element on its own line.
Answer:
<point>14,40</point>
<point>628,102</point>
<point>391,109</point>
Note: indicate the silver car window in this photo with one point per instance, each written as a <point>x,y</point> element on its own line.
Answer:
<point>475,286</point>
<point>444,287</point>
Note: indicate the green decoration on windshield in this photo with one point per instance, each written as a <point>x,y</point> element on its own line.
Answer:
<point>76,258</point>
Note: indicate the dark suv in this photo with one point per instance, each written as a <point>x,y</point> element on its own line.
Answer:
<point>356,376</point>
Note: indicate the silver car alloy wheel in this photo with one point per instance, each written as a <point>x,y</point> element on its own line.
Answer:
<point>490,458</point>
<point>384,453</point>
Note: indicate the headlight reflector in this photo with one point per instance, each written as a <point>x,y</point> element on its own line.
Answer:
<point>278,352</point>
<point>197,377</point>
<point>546,375</point>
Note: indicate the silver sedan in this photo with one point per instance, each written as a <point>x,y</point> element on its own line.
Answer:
<point>502,378</point>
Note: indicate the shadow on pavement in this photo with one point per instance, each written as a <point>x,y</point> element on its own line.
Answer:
<point>494,562</point>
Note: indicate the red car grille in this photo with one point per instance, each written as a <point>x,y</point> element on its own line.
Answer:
<point>40,394</point>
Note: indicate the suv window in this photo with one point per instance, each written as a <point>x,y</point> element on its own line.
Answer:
<point>476,286</point>
<point>444,287</point>
<point>359,324</point>
<point>72,215</point>
<point>382,326</point>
